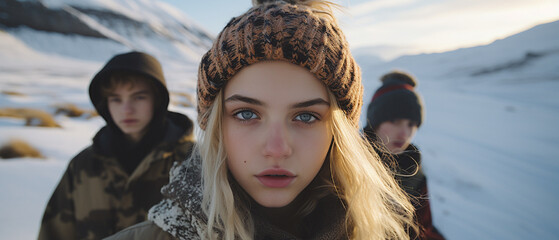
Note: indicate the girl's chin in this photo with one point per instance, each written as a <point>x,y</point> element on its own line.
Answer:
<point>396,150</point>
<point>273,204</point>
<point>274,201</point>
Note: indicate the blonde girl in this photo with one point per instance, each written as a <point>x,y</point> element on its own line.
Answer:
<point>280,155</point>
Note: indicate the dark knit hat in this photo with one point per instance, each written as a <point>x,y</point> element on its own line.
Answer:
<point>287,31</point>
<point>395,99</point>
<point>131,62</point>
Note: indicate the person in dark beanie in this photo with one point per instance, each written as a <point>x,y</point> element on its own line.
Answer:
<point>393,117</point>
<point>112,183</point>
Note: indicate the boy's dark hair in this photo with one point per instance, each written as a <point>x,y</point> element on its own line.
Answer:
<point>124,78</point>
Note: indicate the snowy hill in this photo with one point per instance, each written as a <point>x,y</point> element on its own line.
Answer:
<point>49,51</point>
<point>97,29</point>
<point>490,136</point>
<point>510,53</point>
<point>489,139</point>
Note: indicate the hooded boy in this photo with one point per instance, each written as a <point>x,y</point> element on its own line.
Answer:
<point>111,184</point>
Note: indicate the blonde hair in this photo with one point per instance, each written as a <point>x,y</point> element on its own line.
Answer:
<point>218,201</point>
<point>376,207</point>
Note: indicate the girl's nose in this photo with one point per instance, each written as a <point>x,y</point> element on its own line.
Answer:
<point>277,142</point>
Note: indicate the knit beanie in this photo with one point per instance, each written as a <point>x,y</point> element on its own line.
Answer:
<point>395,99</point>
<point>286,31</point>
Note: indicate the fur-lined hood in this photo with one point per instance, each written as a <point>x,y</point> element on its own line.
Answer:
<point>180,213</point>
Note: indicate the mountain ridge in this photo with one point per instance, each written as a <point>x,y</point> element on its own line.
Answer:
<point>514,51</point>
<point>144,28</point>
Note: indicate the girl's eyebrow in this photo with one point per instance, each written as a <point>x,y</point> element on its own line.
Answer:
<point>245,99</point>
<point>316,101</point>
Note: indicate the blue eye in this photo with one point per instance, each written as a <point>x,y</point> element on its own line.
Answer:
<point>246,115</point>
<point>306,118</point>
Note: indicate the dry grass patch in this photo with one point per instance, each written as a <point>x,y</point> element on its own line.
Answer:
<point>183,99</point>
<point>13,93</point>
<point>18,149</point>
<point>72,110</point>
<point>33,117</point>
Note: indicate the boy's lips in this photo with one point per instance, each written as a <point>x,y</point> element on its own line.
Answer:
<point>129,121</point>
<point>399,145</point>
<point>276,178</point>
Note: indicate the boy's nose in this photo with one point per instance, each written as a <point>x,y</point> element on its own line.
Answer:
<point>128,107</point>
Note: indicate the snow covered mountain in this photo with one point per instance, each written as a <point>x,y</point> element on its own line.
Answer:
<point>97,29</point>
<point>511,53</point>
<point>529,56</point>
<point>490,136</point>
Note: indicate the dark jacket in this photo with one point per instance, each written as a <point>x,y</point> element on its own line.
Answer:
<point>112,184</point>
<point>411,179</point>
<point>96,197</point>
<point>179,215</point>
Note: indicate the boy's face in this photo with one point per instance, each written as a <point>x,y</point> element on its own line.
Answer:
<point>397,134</point>
<point>131,107</point>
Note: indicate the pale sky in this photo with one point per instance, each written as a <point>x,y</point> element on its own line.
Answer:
<point>406,26</point>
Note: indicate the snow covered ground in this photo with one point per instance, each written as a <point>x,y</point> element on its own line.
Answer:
<point>490,139</point>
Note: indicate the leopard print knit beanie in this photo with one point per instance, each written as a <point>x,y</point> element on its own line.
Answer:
<point>291,31</point>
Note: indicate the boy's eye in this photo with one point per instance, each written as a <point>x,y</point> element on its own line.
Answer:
<point>246,115</point>
<point>113,99</point>
<point>306,118</point>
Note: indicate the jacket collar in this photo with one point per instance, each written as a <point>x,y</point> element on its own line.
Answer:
<point>181,215</point>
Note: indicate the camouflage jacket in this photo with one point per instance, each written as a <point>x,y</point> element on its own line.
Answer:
<point>97,198</point>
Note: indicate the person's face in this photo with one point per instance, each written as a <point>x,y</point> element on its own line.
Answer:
<point>276,130</point>
<point>397,134</point>
<point>131,107</point>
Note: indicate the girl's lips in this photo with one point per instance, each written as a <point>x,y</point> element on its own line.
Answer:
<point>275,178</point>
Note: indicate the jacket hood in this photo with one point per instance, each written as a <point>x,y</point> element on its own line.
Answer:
<point>180,212</point>
<point>108,142</point>
<point>131,62</point>
<point>408,162</point>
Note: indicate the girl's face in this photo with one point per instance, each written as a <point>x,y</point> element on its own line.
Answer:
<point>276,130</point>
<point>397,134</point>
<point>131,107</point>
